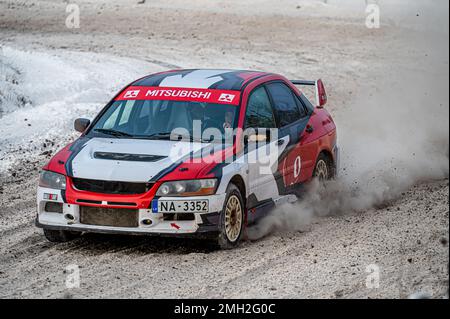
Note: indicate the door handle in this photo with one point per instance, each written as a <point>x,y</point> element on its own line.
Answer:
<point>280,142</point>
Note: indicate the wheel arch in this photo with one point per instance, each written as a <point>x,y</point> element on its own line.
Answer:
<point>240,184</point>
<point>327,153</point>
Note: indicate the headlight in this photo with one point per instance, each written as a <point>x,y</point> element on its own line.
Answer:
<point>52,180</point>
<point>196,187</point>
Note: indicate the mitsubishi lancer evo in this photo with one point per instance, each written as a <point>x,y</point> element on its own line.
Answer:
<point>189,153</point>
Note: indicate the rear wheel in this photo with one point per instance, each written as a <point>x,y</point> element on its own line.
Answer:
<point>60,236</point>
<point>324,169</point>
<point>231,219</point>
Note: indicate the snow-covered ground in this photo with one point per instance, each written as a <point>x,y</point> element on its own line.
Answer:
<point>57,88</point>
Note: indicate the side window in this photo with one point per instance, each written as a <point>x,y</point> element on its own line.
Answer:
<point>259,112</point>
<point>307,103</point>
<point>284,103</point>
<point>301,107</point>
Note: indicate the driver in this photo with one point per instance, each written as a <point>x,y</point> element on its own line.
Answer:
<point>228,122</point>
<point>197,113</point>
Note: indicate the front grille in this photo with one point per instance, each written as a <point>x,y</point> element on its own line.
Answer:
<point>99,202</point>
<point>116,217</point>
<point>110,187</point>
<point>88,201</point>
<point>121,204</point>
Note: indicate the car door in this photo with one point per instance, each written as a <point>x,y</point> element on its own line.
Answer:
<point>310,140</point>
<point>292,119</point>
<point>260,154</point>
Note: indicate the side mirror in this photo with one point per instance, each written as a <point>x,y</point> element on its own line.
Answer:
<point>81,124</point>
<point>321,94</point>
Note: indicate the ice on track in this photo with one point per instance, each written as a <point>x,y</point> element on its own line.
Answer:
<point>41,94</point>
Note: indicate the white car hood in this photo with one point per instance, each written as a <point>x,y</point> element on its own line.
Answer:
<point>86,165</point>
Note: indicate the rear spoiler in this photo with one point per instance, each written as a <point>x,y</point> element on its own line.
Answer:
<point>321,95</point>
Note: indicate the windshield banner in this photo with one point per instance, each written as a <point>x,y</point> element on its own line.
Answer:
<point>180,94</point>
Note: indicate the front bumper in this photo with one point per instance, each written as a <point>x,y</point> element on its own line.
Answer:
<point>202,222</point>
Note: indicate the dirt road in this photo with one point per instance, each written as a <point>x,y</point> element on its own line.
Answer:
<point>398,225</point>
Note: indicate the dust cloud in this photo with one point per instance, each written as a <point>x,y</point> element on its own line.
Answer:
<point>392,136</point>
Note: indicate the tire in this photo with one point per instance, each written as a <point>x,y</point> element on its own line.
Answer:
<point>232,219</point>
<point>324,169</point>
<point>60,236</point>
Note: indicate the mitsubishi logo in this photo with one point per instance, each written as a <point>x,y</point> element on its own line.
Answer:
<point>224,97</point>
<point>131,94</point>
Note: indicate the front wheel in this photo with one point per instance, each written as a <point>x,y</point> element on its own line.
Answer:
<point>231,219</point>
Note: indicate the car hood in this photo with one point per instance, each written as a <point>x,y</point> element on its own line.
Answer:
<point>128,160</point>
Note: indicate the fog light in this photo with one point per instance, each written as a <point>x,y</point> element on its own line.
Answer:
<point>147,222</point>
<point>69,217</point>
<point>52,207</point>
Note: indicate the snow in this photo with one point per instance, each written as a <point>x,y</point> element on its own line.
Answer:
<point>58,87</point>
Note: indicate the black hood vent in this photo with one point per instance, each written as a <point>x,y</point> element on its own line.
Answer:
<point>128,157</point>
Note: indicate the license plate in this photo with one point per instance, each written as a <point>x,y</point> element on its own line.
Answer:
<point>180,206</point>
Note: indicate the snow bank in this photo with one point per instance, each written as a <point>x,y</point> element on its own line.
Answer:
<point>42,93</point>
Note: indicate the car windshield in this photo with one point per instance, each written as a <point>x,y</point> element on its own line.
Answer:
<point>165,119</point>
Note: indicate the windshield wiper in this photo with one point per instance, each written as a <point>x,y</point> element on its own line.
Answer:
<point>172,136</point>
<point>112,132</point>
<point>156,136</point>
<point>160,135</point>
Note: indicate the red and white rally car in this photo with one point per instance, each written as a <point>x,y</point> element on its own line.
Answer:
<point>183,152</point>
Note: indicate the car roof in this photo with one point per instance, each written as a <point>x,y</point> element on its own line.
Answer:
<point>201,79</point>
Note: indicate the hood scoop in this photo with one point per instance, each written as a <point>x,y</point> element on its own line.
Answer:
<point>128,157</point>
